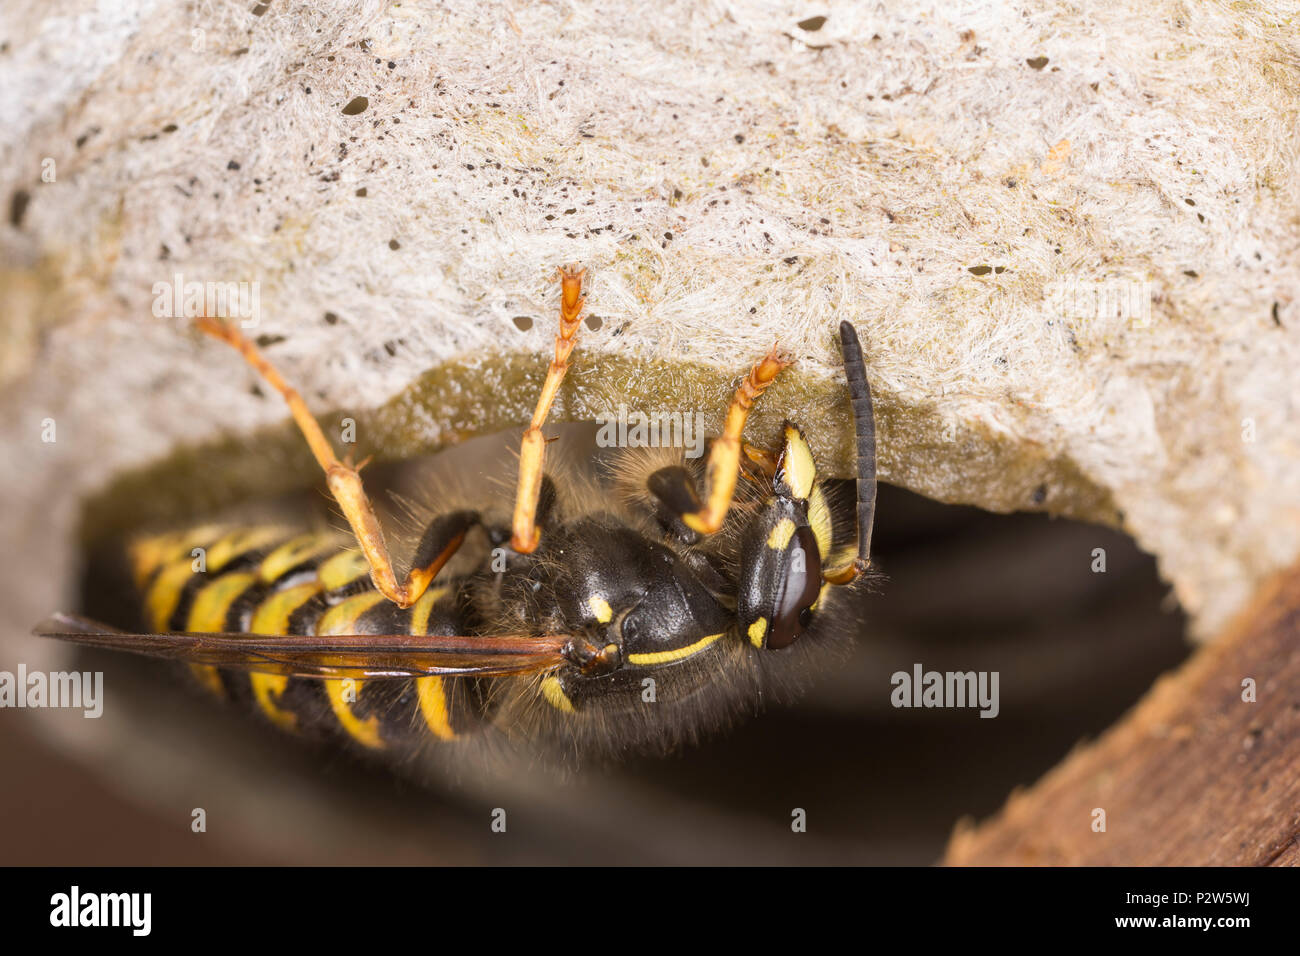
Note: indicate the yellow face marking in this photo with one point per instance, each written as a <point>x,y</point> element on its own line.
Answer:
<point>757,632</point>
<point>800,470</point>
<point>819,517</point>
<point>365,731</point>
<point>293,553</point>
<point>554,693</point>
<point>344,568</point>
<point>600,607</point>
<point>663,657</point>
<point>781,535</point>
<point>821,596</point>
<point>433,705</point>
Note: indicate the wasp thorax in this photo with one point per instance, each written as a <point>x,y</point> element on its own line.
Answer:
<point>617,587</point>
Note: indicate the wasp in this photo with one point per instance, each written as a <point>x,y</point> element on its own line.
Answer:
<point>638,607</point>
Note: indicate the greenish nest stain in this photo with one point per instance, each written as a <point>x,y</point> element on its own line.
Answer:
<point>463,398</point>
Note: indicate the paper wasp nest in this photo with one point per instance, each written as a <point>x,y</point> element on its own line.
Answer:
<point>1068,240</point>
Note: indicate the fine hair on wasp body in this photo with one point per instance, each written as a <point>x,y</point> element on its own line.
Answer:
<point>580,601</point>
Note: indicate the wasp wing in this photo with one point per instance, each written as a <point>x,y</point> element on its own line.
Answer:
<point>369,656</point>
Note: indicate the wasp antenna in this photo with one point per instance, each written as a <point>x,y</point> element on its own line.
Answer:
<point>864,424</point>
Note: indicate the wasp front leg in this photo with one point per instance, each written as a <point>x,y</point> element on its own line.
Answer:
<point>441,539</point>
<point>525,535</point>
<point>761,460</point>
<point>674,485</point>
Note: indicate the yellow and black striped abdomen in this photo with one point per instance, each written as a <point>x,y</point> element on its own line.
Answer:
<point>274,580</point>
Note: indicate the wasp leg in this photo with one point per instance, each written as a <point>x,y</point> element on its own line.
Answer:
<point>845,575</point>
<point>344,481</point>
<point>525,535</point>
<point>760,459</point>
<point>441,539</point>
<point>723,466</point>
<point>674,491</point>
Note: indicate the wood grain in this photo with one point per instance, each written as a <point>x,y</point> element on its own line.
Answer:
<point>1193,775</point>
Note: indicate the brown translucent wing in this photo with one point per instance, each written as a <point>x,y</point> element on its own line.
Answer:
<point>369,656</point>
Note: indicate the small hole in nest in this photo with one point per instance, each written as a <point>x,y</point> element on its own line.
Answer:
<point>522,322</point>
<point>594,322</point>
<point>18,207</point>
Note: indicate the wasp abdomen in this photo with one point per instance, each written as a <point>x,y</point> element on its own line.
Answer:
<point>273,581</point>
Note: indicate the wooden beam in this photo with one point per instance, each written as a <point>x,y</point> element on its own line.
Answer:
<point>1194,775</point>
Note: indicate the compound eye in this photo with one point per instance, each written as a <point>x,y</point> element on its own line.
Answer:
<point>799,590</point>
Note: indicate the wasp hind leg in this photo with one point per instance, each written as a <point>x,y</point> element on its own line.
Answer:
<point>440,540</point>
<point>525,535</point>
